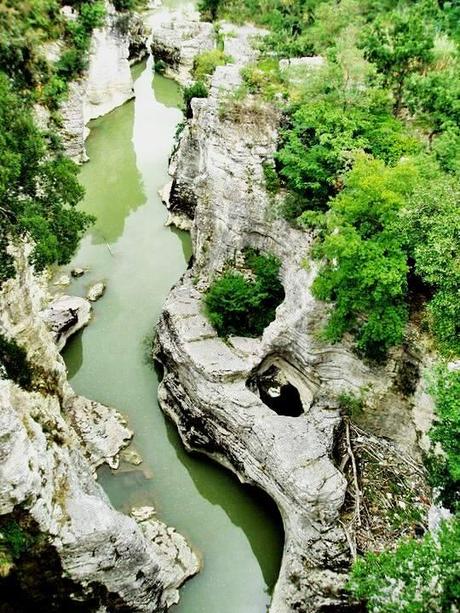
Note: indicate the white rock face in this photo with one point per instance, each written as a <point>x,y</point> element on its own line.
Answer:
<point>65,316</point>
<point>177,39</point>
<point>208,387</point>
<point>45,471</point>
<point>106,85</point>
<point>51,441</point>
<point>108,82</point>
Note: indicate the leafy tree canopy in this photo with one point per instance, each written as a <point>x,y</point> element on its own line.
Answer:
<point>38,189</point>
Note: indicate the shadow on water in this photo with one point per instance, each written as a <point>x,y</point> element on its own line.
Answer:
<point>245,512</point>
<point>162,91</point>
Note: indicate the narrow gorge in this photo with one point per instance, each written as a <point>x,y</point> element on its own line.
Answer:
<point>203,406</point>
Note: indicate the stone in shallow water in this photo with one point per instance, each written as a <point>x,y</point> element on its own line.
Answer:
<point>131,456</point>
<point>63,280</point>
<point>96,291</point>
<point>77,272</point>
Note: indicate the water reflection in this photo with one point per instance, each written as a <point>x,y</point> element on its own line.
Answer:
<point>113,185</point>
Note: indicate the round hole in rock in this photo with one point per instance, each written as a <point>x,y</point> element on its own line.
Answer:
<point>278,393</point>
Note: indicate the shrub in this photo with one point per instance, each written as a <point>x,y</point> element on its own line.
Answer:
<point>445,470</point>
<point>196,90</point>
<point>430,221</point>
<point>14,363</point>
<point>39,190</point>
<point>237,305</point>
<point>420,576</point>
<point>365,264</point>
<point>206,63</point>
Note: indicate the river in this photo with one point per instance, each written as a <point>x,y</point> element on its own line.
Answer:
<point>236,530</point>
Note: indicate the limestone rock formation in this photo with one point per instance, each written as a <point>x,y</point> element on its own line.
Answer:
<point>96,291</point>
<point>51,442</point>
<point>107,83</point>
<point>220,394</point>
<point>65,316</point>
<point>177,39</point>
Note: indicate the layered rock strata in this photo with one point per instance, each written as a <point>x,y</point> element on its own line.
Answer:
<point>212,388</point>
<point>107,83</point>
<point>51,442</point>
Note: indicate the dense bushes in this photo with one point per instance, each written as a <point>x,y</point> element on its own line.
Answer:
<point>365,265</point>
<point>206,63</point>
<point>244,304</point>
<point>38,189</point>
<point>316,149</point>
<point>389,89</point>
<point>420,576</point>
<point>196,90</point>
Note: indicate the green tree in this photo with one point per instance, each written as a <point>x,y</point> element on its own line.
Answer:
<point>245,306</point>
<point>434,98</point>
<point>364,270</point>
<point>399,43</point>
<point>431,223</point>
<point>317,147</point>
<point>38,189</point>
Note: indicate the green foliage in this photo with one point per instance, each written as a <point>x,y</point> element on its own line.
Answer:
<point>420,576</point>
<point>209,8</point>
<point>272,182</point>
<point>242,306</point>
<point>398,44</point>
<point>14,363</point>
<point>196,90</point>
<point>317,147</point>
<point>128,5</point>
<point>435,98</point>
<point>445,470</point>
<point>14,537</point>
<point>431,223</point>
<point>352,404</point>
<point>364,263</point>
<point>38,189</point>
<point>206,63</point>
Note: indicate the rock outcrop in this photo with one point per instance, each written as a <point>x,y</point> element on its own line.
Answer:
<point>177,39</point>
<point>212,388</point>
<point>107,83</point>
<point>51,442</point>
<point>65,316</point>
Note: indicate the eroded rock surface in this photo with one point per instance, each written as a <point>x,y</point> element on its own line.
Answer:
<point>177,39</point>
<point>208,386</point>
<point>65,316</point>
<point>51,441</point>
<point>107,83</point>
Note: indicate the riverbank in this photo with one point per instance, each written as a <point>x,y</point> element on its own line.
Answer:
<point>237,533</point>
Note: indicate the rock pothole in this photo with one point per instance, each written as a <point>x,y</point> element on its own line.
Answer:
<point>281,387</point>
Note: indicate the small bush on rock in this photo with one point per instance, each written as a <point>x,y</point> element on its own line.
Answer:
<point>196,90</point>
<point>243,305</point>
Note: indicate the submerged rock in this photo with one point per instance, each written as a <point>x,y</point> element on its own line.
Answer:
<point>96,291</point>
<point>65,316</point>
<point>131,456</point>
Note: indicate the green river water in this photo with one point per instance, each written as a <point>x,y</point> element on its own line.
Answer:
<point>236,530</point>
